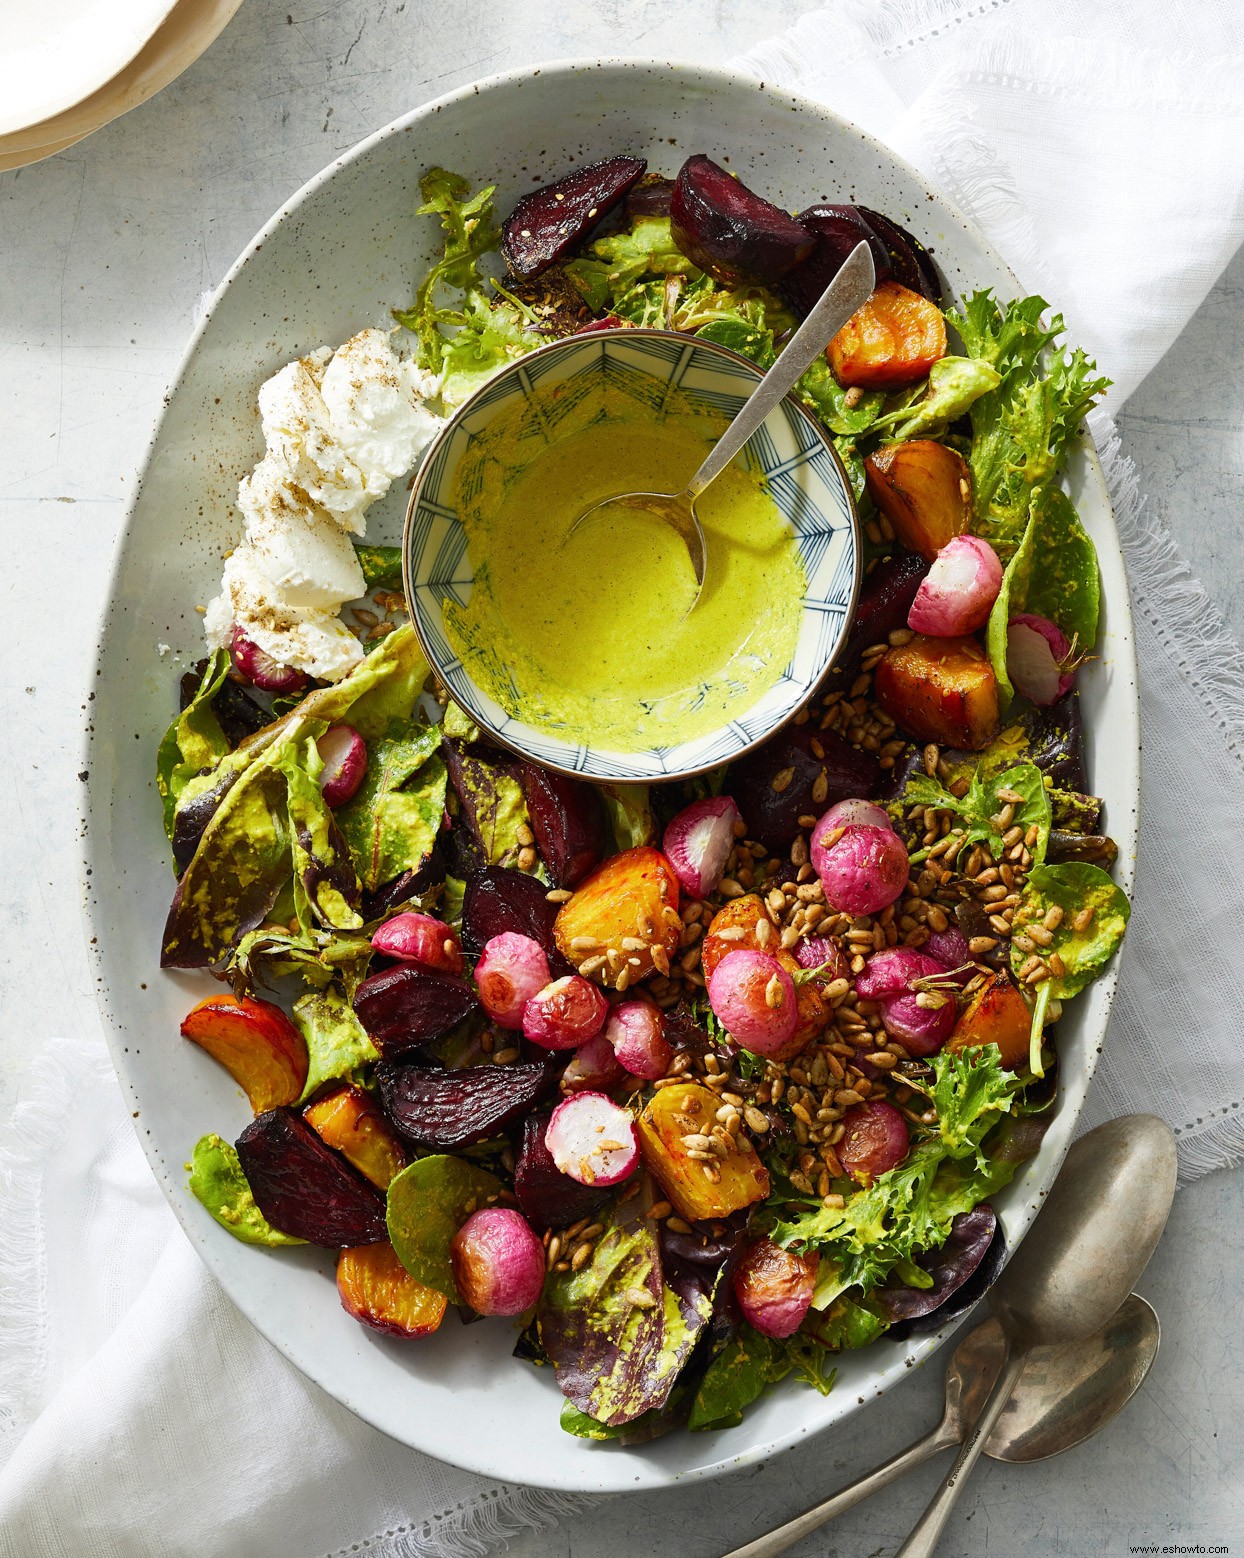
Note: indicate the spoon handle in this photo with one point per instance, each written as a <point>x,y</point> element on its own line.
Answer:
<point>922,1542</point>
<point>784,1536</point>
<point>850,288</point>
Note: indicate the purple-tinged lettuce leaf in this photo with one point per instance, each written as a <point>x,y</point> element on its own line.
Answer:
<point>617,1359</point>
<point>965,1248</point>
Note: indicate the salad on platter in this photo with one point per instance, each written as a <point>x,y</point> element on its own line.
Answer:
<point>701,1084</point>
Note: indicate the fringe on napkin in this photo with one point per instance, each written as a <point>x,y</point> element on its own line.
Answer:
<point>476,1528</point>
<point>31,1135</point>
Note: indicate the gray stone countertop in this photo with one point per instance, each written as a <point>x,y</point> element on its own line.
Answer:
<point>104,255</point>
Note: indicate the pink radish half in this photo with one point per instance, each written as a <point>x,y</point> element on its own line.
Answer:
<point>592,1140</point>
<point>958,592</point>
<point>565,1014</point>
<point>344,755</point>
<point>1037,656</point>
<point>512,968</point>
<point>698,842</point>
<point>497,1261</point>
<point>261,670</point>
<point>593,1068</point>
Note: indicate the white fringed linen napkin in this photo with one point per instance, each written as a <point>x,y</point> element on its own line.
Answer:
<point>139,1413</point>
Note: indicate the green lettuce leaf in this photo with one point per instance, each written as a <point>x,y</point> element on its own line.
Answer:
<point>976,810</point>
<point>1073,887</point>
<point>954,385</point>
<point>427,1203</point>
<point>741,1371</point>
<point>615,263</point>
<point>490,336</point>
<point>392,822</point>
<point>217,1180</point>
<point>193,742</point>
<point>617,1359</point>
<point>470,233</point>
<point>1020,429</point>
<point>821,392</point>
<point>337,1043</point>
<point>910,1208</point>
<point>629,811</point>
<point>381,565</point>
<point>1053,573</point>
<point>271,837</point>
<point>491,801</point>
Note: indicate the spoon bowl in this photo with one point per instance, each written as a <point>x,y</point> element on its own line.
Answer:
<point>848,291</point>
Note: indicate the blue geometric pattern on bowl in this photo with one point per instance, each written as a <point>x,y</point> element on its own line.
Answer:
<point>802,472</point>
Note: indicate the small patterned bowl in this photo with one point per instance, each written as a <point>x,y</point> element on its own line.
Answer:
<point>804,476</point>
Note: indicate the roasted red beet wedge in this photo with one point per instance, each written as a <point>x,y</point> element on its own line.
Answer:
<point>445,1110</point>
<point>568,820</point>
<point>731,232</point>
<point>884,603</point>
<point>549,1198</point>
<point>406,1006</point>
<point>650,197</point>
<point>772,815</point>
<point>303,1188</point>
<point>497,901</point>
<point>835,230</point>
<point>548,223</point>
<point>911,264</point>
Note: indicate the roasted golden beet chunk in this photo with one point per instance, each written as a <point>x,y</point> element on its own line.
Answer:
<point>996,1014</point>
<point>378,1290</point>
<point>893,340</point>
<point>349,1120</point>
<point>623,920</point>
<point>689,1109</point>
<point>940,689</point>
<point>924,489</point>
<point>257,1045</point>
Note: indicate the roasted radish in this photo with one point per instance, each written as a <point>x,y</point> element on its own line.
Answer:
<point>636,1032</point>
<point>261,670</point>
<point>773,1287</point>
<point>592,1139</point>
<point>753,997</point>
<point>862,868</point>
<point>875,1140</point>
<point>565,1014</point>
<point>698,842</point>
<point>958,592</point>
<point>511,969</point>
<point>344,755</point>
<point>421,939</point>
<point>498,1263</point>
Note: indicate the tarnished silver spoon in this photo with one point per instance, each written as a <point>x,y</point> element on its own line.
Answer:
<point>1064,1395</point>
<point>848,291</point>
<point>1093,1237</point>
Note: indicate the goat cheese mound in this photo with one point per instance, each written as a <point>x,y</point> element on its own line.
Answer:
<point>339,428</point>
<point>317,642</point>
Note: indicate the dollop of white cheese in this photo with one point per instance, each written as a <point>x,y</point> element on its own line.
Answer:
<point>339,428</point>
<point>376,403</point>
<point>317,642</point>
<point>302,551</point>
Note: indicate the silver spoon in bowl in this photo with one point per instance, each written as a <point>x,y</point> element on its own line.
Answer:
<point>1093,1237</point>
<point>1064,1396</point>
<point>848,291</point>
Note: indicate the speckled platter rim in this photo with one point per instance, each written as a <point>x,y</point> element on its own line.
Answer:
<point>583,761</point>
<point>512,1432</point>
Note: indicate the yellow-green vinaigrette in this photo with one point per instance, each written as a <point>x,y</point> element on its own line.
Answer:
<point>589,637</point>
